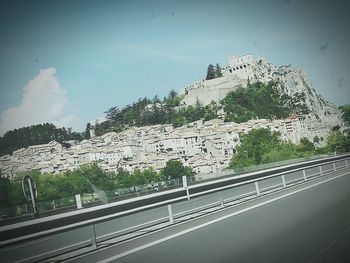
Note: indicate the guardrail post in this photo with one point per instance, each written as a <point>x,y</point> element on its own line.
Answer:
<point>334,167</point>
<point>93,237</point>
<point>284,181</point>
<point>171,216</point>
<point>321,170</point>
<point>257,189</point>
<point>78,201</point>
<point>346,163</point>
<point>184,184</point>
<point>221,200</point>
<point>304,174</point>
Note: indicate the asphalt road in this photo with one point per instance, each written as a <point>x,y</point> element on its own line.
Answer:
<point>309,226</point>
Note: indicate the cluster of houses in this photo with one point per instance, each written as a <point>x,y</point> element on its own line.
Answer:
<point>207,147</point>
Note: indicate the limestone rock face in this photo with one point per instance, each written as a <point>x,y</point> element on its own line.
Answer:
<point>295,84</point>
<point>291,83</point>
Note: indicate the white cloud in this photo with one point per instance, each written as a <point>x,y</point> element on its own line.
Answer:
<point>43,100</point>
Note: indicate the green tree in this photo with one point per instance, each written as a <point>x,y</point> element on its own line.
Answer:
<point>172,94</point>
<point>210,72</point>
<point>124,178</point>
<point>5,193</point>
<point>178,121</point>
<point>283,151</point>
<point>306,146</point>
<point>112,114</point>
<point>337,142</point>
<point>156,99</point>
<point>175,170</point>
<point>157,115</point>
<point>96,176</point>
<point>253,146</point>
<point>87,131</point>
<point>78,181</point>
<point>210,111</point>
<point>173,99</point>
<point>150,175</point>
<point>47,187</point>
<point>218,72</point>
<point>345,109</point>
<point>137,178</point>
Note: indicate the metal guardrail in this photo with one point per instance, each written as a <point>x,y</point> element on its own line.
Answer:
<point>46,208</point>
<point>38,228</point>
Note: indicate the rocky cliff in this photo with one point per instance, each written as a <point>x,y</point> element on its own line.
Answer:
<point>292,84</point>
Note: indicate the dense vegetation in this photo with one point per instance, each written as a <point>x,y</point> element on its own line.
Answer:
<point>33,135</point>
<point>86,179</point>
<point>256,101</point>
<point>261,146</point>
<point>345,109</point>
<point>151,112</point>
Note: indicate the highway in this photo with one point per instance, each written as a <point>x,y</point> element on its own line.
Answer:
<point>263,229</point>
<point>308,226</point>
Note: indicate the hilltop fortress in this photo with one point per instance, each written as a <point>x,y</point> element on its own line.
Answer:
<point>290,81</point>
<point>235,75</point>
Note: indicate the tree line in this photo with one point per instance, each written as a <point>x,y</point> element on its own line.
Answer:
<point>261,101</point>
<point>261,146</point>
<point>146,112</point>
<point>34,135</point>
<point>86,179</point>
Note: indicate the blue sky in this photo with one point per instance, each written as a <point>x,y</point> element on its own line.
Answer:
<point>67,62</point>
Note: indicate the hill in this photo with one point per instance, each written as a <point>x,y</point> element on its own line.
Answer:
<point>34,135</point>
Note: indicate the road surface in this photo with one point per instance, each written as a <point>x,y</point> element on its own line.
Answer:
<point>308,226</point>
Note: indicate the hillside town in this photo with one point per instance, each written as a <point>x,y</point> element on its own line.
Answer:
<point>207,147</point>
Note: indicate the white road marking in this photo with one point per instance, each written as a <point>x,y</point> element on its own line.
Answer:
<point>134,250</point>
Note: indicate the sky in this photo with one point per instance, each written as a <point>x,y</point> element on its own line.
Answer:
<point>67,62</point>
